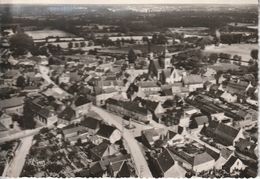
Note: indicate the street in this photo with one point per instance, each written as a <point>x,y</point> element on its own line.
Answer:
<point>139,160</point>
<point>17,163</point>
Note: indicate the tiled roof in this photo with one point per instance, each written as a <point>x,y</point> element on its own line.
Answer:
<point>131,106</point>
<point>105,130</point>
<point>91,123</point>
<point>225,134</point>
<point>165,160</point>
<point>201,158</point>
<point>229,163</point>
<point>100,149</point>
<point>193,79</point>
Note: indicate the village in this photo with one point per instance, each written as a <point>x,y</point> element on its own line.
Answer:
<point>179,102</point>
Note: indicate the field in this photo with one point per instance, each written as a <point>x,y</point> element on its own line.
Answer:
<point>42,34</point>
<point>242,50</point>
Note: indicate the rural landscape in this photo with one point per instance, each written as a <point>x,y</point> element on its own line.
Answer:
<point>129,90</point>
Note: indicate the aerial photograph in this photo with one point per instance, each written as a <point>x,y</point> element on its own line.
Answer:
<point>121,88</point>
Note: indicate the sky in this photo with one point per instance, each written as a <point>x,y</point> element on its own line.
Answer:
<point>128,1</point>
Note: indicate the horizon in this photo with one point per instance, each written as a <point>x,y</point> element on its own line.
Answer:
<point>128,2</point>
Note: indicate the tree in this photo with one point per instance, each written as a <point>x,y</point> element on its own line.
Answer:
<point>20,82</point>
<point>82,44</point>
<point>28,116</point>
<point>213,57</point>
<point>70,45</point>
<point>57,38</point>
<point>131,56</point>
<point>20,43</point>
<point>76,45</point>
<point>254,54</point>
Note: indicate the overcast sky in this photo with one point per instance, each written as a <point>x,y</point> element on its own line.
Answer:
<point>129,1</point>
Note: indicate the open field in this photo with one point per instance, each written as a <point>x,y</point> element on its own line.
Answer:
<point>242,50</point>
<point>42,34</point>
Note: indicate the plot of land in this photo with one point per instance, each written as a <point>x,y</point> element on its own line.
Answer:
<point>242,50</point>
<point>42,34</point>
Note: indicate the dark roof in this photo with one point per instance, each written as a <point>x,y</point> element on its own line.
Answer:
<point>212,153</point>
<point>100,149</point>
<point>97,170</point>
<point>151,105</point>
<point>165,160</point>
<point>2,127</point>
<point>67,114</point>
<point>225,134</point>
<point>171,134</point>
<point>167,92</point>
<point>229,163</point>
<point>91,123</point>
<point>124,171</point>
<point>237,88</point>
<point>105,130</point>
<point>131,106</point>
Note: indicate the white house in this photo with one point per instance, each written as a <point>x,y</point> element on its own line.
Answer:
<point>230,98</point>
<point>233,164</point>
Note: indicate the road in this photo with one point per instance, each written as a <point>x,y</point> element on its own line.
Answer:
<point>138,157</point>
<point>44,72</point>
<point>16,165</point>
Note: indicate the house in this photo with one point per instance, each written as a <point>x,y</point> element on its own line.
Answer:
<point>109,133</point>
<point>246,146</point>
<point>118,165</point>
<point>64,78</point>
<point>210,72</point>
<point>193,82</point>
<point>98,169</point>
<point>6,120</point>
<point>239,87</point>
<point>83,138</point>
<point>73,131</point>
<point>153,106</point>
<point>228,97</point>
<point>203,162</point>
<point>173,137</point>
<point>224,155</point>
<point>170,76</point>
<point>43,111</point>
<point>149,86</point>
<point>100,96</point>
<point>67,115</point>
<point>165,165</point>
<point>227,135</point>
<point>150,136</point>
<point>13,105</point>
<point>81,106</point>
<point>129,109</point>
<point>196,161</point>
<point>198,122</point>
<point>120,170</point>
<point>233,164</point>
<point>91,124</point>
<point>102,150</point>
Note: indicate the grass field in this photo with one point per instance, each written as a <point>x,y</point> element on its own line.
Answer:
<point>42,34</point>
<point>242,50</point>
